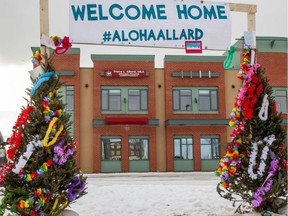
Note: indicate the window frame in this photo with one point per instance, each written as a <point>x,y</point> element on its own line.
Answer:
<point>181,147</point>
<point>195,100</point>
<point>67,91</point>
<point>124,100</point>
<point>109,149</point>
<point>211,137</point>
<point>146,138</point>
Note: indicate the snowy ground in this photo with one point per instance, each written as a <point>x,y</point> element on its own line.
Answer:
<point>154,194</point>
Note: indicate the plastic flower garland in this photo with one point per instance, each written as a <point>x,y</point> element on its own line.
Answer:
<point>34,202</point>
<point>37,58</point>
<point>243,109</point>
<point>252,161</point>
<point>260,192</point>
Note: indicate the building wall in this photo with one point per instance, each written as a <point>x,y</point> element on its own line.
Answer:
<point>110,62</point>
<point>194,64</point>
<point>160,82</point>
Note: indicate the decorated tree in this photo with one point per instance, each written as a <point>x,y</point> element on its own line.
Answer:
<point>254,168</point>
<point>41,176</point>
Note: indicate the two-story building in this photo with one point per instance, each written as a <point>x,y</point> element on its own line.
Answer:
<point>129,116</point>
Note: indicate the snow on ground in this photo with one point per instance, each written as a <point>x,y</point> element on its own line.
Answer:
<point>154,194</point>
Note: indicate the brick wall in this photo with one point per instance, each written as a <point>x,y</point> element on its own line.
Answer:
<point>124,130</point>
<point>195,131</point>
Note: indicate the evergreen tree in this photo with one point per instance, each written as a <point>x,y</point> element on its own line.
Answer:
<point>254,168</point>
<point>41,176</point>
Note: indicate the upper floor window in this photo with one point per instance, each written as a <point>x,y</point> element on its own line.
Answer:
<point>124,99</point>
<point>195,99</point>
<point>281,99</point>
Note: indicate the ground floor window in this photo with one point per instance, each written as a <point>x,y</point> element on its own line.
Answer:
<point>183,148</point>
<point>138,148</point>
<point>210,147</point>
<point>111,148</point>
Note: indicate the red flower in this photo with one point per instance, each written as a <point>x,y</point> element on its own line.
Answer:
<point>254,100</point>
<point>250,90</point>
<point>32,213</point>
<point>33,175</point>
<point>255,79</point>
<point>49,162</point>
<point>259,89</point>
<point>10,153</point>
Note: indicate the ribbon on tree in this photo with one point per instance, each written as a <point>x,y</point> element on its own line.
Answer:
<point>263,114</point>
<point>25,157</point>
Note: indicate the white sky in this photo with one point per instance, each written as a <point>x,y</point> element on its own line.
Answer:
<point>20,30</point>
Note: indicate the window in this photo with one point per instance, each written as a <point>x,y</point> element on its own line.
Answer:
<point>138,149</point>
<point>137,99</point>
<point>67,93</point>
<point>111,99</point>
<point>111,148</point>
<point>208,100</point>
<point>124,99</point>
<point>195,99</point>
<point>183,148</point>
<point>281,100</point>
<point>182,99</point>
<point>210,147</point>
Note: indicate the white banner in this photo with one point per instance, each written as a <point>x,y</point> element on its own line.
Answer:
<point>161,23</point>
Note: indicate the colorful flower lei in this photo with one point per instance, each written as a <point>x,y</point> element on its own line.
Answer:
<point>39,172</point>
<point>61,154</point>
<point>252,161</point>
<point>17,131</point>
<point>75,182</point>
<point>35,202</point>
<point>260,192</point>
<point>48,113</point>
<point>37,58</point>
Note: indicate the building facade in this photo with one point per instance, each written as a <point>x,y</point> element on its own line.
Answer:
<point>132,117</point>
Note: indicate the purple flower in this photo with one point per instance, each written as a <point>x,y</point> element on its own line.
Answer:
<point>69,152</point>
<point>268,185</point>
<point>62,161</point>
<point>256,203</point>
<point>259,192</point>
<point>47,119</point>
<point>58,150</point>
<point>273,166</point>
<point>46,99</point>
